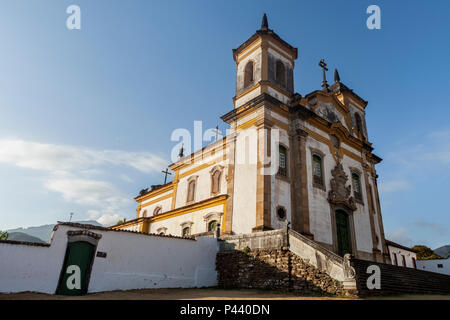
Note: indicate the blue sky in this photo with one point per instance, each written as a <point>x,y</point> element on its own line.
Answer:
<point>86,115</point>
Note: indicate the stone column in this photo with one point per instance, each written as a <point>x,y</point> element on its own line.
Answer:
<point>299,183</point>
<point>231,157</point>
<point>387,258</point>
<point>263,181</point>
<point>376,252</point>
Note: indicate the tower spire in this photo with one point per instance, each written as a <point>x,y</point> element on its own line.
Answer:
<point>264,23</point>
<point>336,76</point>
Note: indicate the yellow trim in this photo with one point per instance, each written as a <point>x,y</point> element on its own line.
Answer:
<point>152,194</point>
<point>249,47</point>
<point>143,205</point>
<point>281,53</point>
<point>342,151</point>
<point>224,215</point>
<point>175,189</point>
<point>127,224</point>
<point>243,93</point>
<point>248,51</point>
<point>280,124</point>
<point>247,124</point>
<point>191,208</point>
<point>200,167</point>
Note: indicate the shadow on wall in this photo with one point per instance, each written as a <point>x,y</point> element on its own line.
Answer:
<point>274,269</point>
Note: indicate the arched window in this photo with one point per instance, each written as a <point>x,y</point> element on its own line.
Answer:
<point>215,182</point>
<point>280,73</point>
<point>356,186</point>
<point>358,123</point>
<point>248,74</point>
<point>212,226</point>
<point>158,210</point>
<point>282,169</point>
<point>317,170</point>
<point>186,232</point>
<point>144,213</point>
<point>191,191</point>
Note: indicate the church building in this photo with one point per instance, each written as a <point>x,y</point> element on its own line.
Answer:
<point>305,159</point>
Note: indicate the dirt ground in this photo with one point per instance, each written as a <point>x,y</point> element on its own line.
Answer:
<point>197,294</point>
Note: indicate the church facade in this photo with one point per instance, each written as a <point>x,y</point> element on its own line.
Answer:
<point>287,157</point>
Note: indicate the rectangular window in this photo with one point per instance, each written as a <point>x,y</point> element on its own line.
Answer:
<point>403,260</point>
<point>356,186</point>
<point>317,170</point>
<point>395,259</point>
<point>282,169</point>
<point>440,265</point>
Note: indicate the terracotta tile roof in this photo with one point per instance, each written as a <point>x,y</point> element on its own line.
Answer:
<point>92,227</point>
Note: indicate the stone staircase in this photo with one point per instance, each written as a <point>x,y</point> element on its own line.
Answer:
<point>325,260</point>
<point>398,280</point>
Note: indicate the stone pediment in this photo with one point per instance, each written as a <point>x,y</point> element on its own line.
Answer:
<point>340,193</point>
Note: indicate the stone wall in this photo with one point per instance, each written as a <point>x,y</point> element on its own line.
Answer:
<point>256,240</point>
<point>276,269</point>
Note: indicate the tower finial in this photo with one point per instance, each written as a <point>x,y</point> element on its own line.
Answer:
<point>264,23</point>
<point>336,76</point>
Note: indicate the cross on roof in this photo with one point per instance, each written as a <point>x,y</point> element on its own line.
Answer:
<point>323,65</point>
<point>217,132</point>
<point>165,175</point>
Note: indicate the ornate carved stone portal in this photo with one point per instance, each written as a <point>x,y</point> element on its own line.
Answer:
<point>340,193</point>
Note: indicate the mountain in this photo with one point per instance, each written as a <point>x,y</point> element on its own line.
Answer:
<point>443,251</point>
<point>44,232</point>
<point>20,236</point>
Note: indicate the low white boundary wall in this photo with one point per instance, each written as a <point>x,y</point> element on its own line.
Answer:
<point>133,261</point>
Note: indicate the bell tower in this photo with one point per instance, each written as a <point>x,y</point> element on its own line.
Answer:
<point>264,64</point>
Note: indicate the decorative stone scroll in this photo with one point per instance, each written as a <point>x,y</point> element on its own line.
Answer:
<point>340,193</point>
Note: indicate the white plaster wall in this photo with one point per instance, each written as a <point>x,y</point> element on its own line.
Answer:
<point>276,94</point>
<point>32,268</point>
<point>279,56</point>
<point>247,97</point>
<point>320,219</point>
<point>133,261</point>
<point>280,188</point>
<point>432,265</point>
<point>197,218</point>
<point>139,261</point>
<point>244,196</point>
<point>203,185</point>
<point>165,204</point>
<point>399,252</point>
<point>255,56</point>
<point>132,228</point>
<point>319,207</point>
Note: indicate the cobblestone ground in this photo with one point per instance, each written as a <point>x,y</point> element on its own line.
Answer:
<point>198,294</point>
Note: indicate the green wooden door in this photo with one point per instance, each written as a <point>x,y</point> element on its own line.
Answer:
<point>74,278</point>
<point>343,233</point>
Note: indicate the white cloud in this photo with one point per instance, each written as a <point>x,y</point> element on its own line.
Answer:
<point>54,158</point>
<point>73,173</point>
<point>400,236</point>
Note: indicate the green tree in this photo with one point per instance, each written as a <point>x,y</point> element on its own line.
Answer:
<point>122,221</point>
<point>3,235</point>
<point>425,253</point>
